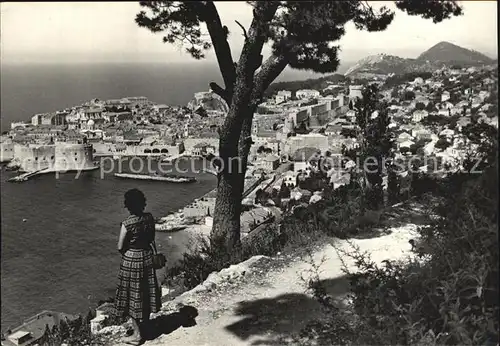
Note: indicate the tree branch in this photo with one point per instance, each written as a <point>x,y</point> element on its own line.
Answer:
<point>216,88</point>
<point>269,71</point>
<point>242,28</point>
<point>263,13</point>
<point>222,50</point>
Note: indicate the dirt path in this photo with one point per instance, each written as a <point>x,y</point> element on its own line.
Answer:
<point>266,306</point>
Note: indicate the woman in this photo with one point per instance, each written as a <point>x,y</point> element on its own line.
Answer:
<point>138,293</point>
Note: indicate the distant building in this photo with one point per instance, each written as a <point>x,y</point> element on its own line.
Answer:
<point>283,95</point>
<point>33,329</point>
<point>201,149</point>
<point>445,96</point>
<point>6,151</point>
<point>332,130</point>
<point>18,124</point>
<point>419,115</point>
<point>421,133</point>
<point>404,137</point>
<point>61,156</point>
<point>351,115</point>
<point>268,163</point>
<point>315,140</point>
<point>307,94</point>
<point>355,91</point>
<point>135,100</point>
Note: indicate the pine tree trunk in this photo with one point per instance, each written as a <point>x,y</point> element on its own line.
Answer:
<point>234,147</point>
<point>226,228</point>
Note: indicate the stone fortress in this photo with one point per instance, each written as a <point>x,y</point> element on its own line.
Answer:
<point>60,156</point>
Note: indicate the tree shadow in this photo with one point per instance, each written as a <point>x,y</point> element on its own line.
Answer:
<point>283,315</point>
<point>166,324</point>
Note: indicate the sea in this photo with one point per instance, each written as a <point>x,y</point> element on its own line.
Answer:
<point>59,234</point>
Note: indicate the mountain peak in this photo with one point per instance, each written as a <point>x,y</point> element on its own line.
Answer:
<point>448,52</point>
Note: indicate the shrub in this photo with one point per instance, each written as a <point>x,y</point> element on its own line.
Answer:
<point>450,298</point>
<point>293,232</point>
<point>76,332</point>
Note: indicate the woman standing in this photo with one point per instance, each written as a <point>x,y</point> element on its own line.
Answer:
<point>138,293</point>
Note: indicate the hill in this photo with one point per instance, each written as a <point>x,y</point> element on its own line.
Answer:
<point>447,52</point>
<point>443,53</point>
<point>384,64</point>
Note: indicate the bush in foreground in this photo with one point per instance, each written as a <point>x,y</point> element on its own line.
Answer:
<point>450,298</point>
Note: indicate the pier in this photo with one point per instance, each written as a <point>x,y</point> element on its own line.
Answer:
<point>172,158</point>
<point>28,175</point>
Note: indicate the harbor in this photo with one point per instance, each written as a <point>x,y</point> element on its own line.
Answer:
<point>27,224</point>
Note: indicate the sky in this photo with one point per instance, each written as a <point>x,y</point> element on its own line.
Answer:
<point>70,32</point>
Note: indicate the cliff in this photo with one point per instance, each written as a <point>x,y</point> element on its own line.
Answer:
<point>262,300</point>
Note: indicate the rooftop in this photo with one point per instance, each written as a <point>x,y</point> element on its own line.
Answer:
<point>36,326</point>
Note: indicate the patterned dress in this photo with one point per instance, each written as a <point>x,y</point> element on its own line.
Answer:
<point>138,293</point>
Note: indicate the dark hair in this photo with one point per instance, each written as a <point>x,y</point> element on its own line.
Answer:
<point>135,201</point>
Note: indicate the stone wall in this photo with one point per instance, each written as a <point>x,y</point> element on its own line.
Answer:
<point>6,151</point>
<point>73,156</point>
<point>151,150</point>
<point>60,156</point>
<point>34,157</point>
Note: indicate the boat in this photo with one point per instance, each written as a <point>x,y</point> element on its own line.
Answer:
<point>171,178</point>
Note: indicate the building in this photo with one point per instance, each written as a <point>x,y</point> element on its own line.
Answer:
<point>404,137</point>
<point>355,91</point>
<point>351,115</point>
<point>405,144</point>
<point>136,100</point>
<point>283,96</point>
<point>117,116</point>
<point>33,329</point>
<point>61,156</point>
<point>315,140</point>
<point>19,124</point>
<point>298,118</point>
<point>161,108</point>
<point>268,163</point>
<point>418,115</point>
<point>6,151</point>
<point>307,94</point>
<point>421,133</point>
<point>445,96</point>
<point>332,130</point>
<point>290,179</point>
<point>156,149</point>
<point>49,119</point>
<point>202,149</point>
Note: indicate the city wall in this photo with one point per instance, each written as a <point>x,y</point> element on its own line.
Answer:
<point>59,156</point>
<point>151,150</point>
<point>6,151</point>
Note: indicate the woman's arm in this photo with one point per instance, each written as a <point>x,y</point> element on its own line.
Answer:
<point>121,239</point>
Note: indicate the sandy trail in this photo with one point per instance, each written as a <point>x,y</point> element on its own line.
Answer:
<point>260,311</point>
